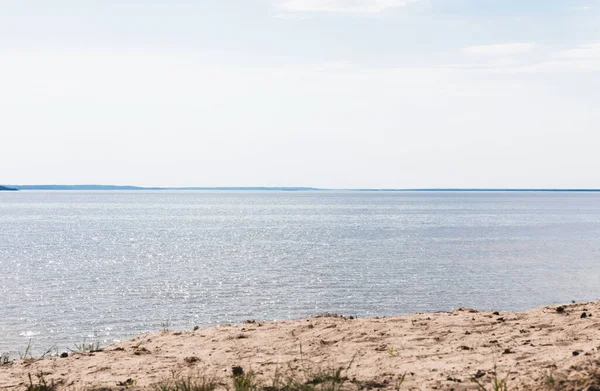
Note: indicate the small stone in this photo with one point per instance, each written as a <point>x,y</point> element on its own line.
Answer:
<point>196,328</point>
<point>560,309</point>
<point>127,383</point>
<point>64,355</point>
<point>495,313</point>
<point>191,360</point>
<point>507,351</point>
<point>237,371</point>
<point>576,353</point>
<point>584,315</point>
<point>479,374</point>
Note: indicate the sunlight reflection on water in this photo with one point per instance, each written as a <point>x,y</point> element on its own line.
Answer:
<point>107,265</point>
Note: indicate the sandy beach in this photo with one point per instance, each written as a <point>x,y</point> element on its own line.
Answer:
<point>552,347</point>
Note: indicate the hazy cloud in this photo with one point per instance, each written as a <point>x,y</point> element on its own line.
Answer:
<point>581,8</point>
<point>331,102</point>
<point>590,51</point>
<point>580,58</point>
<point>500,49</point>
<point>348,6</point>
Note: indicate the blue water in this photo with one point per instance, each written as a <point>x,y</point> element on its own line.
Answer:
<point>102,266</point>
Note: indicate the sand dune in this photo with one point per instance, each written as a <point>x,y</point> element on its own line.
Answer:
<point>544,348</point>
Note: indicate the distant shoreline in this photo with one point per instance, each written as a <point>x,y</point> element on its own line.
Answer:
<point>283,189</point>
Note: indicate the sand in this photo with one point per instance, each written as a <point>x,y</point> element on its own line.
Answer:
<point>544,348</point>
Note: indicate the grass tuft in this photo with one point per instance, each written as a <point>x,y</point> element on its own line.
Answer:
<point>188,383</point>
<point>41,385</point>
<point>495,384</point>
<point>85,347</point>
<point>244,381</point>
<point>28,355</point>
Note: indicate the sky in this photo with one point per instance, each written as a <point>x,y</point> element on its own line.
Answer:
<point>322,93</point>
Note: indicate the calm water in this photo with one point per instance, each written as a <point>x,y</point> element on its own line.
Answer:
<point>107,265</point>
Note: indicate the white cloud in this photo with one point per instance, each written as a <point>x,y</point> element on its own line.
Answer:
<point>500,49</point>
<point>580,58</point>
<point>590,51</point>
<point>289,16</point>
<point>347,6</point>
<point>581,8</point>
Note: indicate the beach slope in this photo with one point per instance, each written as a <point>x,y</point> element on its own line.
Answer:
<point>554,347</point>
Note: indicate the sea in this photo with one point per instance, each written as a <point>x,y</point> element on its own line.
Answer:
<point>102,266</point>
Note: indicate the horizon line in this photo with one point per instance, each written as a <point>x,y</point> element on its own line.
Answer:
<point>289,188</point>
